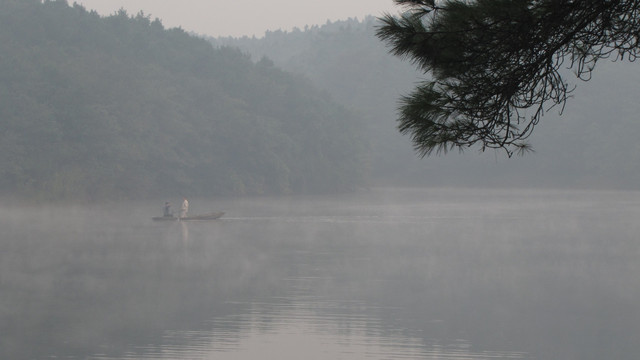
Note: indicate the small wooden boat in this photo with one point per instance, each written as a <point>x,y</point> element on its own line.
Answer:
<point>209,216</point>
<point>164,218</point>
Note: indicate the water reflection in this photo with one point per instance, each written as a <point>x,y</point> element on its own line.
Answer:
<point>185,231</point>
<point>300,333</point>
<point>391,275</point>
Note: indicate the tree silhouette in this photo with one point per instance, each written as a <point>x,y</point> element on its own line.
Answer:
<point>497,65</point>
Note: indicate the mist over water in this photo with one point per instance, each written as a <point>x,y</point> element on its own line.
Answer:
<point>383,274</point>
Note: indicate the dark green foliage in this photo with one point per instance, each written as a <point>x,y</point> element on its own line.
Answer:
<point>119,107</point>
<point>497,65</point>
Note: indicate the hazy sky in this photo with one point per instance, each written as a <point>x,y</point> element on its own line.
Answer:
<point>247,17</point>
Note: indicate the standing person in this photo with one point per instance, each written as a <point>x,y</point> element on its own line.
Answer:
<point>185,208</point>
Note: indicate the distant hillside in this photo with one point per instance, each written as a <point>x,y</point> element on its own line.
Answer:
<point>119,107</point>
<point>347,60</point>
<point>591,145</point>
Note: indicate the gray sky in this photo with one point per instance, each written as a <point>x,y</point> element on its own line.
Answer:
<point>244,17</point>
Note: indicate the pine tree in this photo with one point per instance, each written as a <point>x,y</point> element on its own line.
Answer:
<point>495,66</point>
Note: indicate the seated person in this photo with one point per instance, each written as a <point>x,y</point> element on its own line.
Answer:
<point>167,209</point>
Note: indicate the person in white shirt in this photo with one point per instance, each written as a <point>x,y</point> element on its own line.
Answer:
<point>185,208</point>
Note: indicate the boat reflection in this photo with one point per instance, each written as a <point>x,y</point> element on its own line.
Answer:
<point>185,231</point>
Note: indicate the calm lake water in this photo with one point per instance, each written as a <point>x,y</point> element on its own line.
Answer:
<point>382,274</point>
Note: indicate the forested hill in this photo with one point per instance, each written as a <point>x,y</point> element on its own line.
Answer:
<point>593,143</point>
<point>116,107</point>
<point>347,60</point>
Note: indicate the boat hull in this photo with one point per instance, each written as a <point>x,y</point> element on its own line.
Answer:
<point>203,217</point>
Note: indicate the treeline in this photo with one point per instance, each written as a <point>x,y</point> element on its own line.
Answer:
<point>98,107</point>
<point>591,145</point>
<point>347,60</point>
